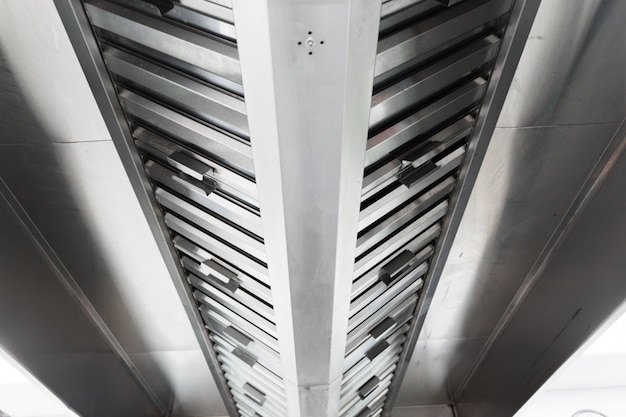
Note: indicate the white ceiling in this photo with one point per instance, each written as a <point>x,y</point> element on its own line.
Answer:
<point>592,379</point>
<point>21,395</point>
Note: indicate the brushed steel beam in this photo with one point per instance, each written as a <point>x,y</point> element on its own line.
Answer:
<point>308,69</point>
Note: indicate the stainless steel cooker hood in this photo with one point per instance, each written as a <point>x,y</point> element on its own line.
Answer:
<point>304,168</point>
<point>302,233</point>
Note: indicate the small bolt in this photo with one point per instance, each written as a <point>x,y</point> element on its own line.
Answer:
<point>310,42</point>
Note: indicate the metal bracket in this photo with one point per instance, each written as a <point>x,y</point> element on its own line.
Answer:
<point>157,7</point>
<point>410,175</point>
<point>391,270</point>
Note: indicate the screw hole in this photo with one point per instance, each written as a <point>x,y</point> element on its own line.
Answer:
<point>321,42</point>
<point>310,53</point>
<point>310,33</point>
<point>299,43</point>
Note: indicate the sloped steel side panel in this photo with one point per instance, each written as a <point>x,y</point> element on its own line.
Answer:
<point>513,32</point>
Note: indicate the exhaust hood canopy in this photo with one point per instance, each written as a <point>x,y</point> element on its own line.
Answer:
<point>304,168</point>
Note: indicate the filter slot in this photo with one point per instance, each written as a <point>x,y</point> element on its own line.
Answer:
<point>188,94</point>
<point>218,145</point>
<point>210,54</point>
<point>431,80</point>
<point>427,34</point>
<point>240,189</point>
<point>423,151</point>
<point>426,119</point>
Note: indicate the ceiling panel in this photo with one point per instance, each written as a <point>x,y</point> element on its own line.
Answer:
<point>46,330</point>
<point>40,78</point>
<point>572,68</point>
<point>58,160</point>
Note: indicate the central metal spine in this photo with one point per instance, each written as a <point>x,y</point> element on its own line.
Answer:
<point>307,71</point>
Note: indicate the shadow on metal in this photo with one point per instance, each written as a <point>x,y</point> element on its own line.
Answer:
<point>554,139</point>
<point>104,349</point>
<point>50,325</point>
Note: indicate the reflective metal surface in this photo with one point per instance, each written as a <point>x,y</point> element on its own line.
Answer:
<point>579,51</point>
<point>563,109</point>
<point>46,327</point>
<point>516,293</point>
<point>308,108</point>
<point>198,159</point>
<point>587,283</point>
<point>58,160</point>
<point>27,90</point>
<point>478,281</point>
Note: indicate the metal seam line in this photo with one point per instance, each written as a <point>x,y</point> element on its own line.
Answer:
<point>70,284</point>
